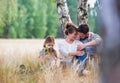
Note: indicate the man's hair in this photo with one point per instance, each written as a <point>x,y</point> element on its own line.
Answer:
<point>83,28</point>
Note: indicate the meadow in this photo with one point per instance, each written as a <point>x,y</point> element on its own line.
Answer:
<point>19,64</point>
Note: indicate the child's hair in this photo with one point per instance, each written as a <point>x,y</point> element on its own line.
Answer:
<point>70,28</point>
<point>49,39</point>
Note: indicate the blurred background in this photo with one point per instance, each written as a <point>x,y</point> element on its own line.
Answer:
<point>38,18</point>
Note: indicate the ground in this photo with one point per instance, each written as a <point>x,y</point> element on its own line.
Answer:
<point>14,53</point>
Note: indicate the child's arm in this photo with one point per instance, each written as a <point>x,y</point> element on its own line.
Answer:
<point>41,57</point>
<point>40,60</point>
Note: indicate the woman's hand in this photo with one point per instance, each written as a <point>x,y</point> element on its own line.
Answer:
<point>80,53</point>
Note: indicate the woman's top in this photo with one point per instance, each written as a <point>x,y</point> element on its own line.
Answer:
<point>65,48</point>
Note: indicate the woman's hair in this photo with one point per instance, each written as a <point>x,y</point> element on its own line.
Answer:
<point>49,39</point>
<point>70,28</point>
<point>83,28</point>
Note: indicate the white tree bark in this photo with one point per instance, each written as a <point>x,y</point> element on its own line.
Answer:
<point>82,12</point>
<point>63,13</point>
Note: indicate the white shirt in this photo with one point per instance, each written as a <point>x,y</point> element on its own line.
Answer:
<point>64,48</point>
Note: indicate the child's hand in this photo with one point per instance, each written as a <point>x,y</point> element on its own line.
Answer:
<point>45,58</point>
<point>58,62</point>
<point>80,53</point>
<point>62,57</point>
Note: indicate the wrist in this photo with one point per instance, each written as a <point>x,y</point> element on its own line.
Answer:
<point>76,53</point>
<point>86,45</point>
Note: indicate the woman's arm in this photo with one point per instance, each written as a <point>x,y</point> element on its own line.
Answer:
<point>78,53</point>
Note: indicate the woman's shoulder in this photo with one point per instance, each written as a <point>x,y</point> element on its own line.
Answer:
<point>77,41</point>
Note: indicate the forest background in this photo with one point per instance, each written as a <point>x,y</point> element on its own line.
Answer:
<point>37,18</point>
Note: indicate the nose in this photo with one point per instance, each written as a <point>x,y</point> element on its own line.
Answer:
<point>50,46</point>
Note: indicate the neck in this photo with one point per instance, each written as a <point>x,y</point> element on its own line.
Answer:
<point>69,40</point>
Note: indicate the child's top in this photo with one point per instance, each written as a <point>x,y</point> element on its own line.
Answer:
<point>49,55</point>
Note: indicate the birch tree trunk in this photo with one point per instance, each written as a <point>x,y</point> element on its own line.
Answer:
<point>82,12</point>
<point>63,13</point>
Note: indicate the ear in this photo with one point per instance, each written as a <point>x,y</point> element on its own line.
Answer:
<point>68,34</point>
<point>87,34</point>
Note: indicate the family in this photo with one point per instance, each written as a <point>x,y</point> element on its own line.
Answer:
<point>79,44</point>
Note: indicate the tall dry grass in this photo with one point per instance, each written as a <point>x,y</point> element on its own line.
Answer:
<point>19,64</point>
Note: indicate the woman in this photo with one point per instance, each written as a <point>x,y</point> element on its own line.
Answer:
<point>68,47</point>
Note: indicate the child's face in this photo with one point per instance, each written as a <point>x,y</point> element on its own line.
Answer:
<point>50,45</point>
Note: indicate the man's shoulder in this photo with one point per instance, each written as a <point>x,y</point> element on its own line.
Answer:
<point>91,33</point>
<point>78,41</point>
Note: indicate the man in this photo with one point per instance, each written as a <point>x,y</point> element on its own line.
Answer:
<point>90,40</point>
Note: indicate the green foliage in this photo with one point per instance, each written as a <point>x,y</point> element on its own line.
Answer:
<point>12,33</point>
<point>40,20</point>
<point>52,22</point>
<point>72,4</point>
<point>36,18</point>
<point>92,18</point>
<point>28,18</point>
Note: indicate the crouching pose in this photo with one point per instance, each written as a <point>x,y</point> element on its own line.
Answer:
<point>48,55</point>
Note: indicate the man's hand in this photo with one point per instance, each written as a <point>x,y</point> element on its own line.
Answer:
<point>80,53</point>
<point>81,46</point>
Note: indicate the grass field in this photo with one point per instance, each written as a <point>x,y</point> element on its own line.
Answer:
<point>19,64</point>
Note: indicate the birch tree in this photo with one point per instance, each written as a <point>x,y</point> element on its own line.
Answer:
<point>82,12</point>
<point>63,13</point>
<point>64,16</point>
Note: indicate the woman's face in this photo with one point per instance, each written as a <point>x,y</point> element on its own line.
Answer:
<point>73,35</point>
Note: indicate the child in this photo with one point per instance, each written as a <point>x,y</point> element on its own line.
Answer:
<point>48,54</point>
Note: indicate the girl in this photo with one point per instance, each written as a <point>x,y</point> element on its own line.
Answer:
<point>48,54</point>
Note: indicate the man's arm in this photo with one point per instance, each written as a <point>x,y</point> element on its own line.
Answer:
<point>95,39</point>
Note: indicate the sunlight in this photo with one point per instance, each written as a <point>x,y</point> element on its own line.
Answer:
<point>91,2</point>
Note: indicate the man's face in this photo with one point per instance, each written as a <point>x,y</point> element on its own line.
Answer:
<point>82,35</point>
